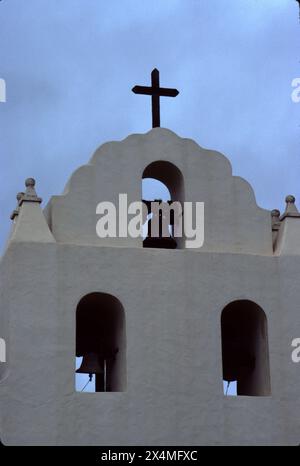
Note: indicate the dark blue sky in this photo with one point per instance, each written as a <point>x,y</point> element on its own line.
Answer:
<point>69,67</point>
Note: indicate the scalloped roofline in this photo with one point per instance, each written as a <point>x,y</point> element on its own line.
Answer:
<point>106,147</point>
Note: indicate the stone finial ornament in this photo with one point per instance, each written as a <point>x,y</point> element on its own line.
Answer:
<point>291,209</point>
<point>31,225</point>
<point>290,199</point>
<point>15,212</point>
<point>275,216</point>
<point>30,193</point>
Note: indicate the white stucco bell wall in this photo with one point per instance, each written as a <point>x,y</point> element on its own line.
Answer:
<point>172,299</point>
<point>233,221</point>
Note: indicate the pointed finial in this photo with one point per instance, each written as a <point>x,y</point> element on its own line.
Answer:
<point>15,212</point>
<point>31,225</point>
<point>291,209</point>
<point>30,194</point>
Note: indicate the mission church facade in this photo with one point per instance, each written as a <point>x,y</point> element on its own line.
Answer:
<point>158,325</point>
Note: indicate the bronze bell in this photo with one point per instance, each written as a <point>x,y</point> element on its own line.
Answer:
<point>160,241</point>
<point>90,364</point>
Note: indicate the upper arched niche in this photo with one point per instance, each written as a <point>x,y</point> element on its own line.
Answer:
<point>171,177</point>
<point>233,221</point>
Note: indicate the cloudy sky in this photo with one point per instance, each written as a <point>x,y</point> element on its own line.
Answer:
<point>69,66</point>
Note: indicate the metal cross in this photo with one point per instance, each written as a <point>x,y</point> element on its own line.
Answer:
<point>156,92</point>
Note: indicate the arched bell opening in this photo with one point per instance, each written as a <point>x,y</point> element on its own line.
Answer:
<point>163,194</point>
<point>101,343</point>
<point>245,353</point>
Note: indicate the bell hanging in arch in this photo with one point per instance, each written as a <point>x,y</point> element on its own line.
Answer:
<point>91,364</point>
<point>160,241</point>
